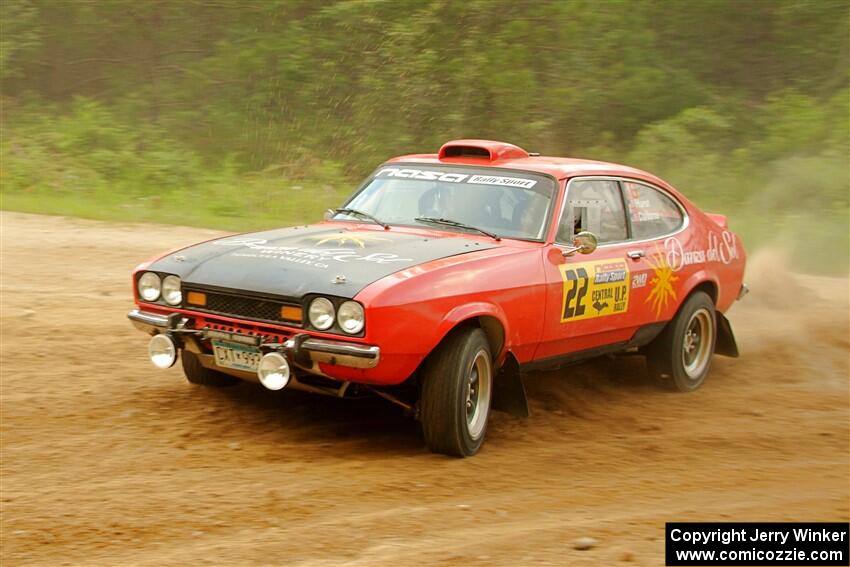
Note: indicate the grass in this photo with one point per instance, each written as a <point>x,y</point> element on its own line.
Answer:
<point>235,211</point>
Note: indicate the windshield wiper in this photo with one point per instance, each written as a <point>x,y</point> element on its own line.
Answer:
<point>361,214</point>
<point>449,222</point>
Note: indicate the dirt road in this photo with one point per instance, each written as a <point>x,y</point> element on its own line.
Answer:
<point>107,461</point>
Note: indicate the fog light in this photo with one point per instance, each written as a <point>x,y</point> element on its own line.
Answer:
<point>273,371</point>
<point>163,351</point>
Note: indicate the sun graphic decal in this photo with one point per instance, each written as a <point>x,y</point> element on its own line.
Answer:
<point>344,238</point>
<point>662,283</point>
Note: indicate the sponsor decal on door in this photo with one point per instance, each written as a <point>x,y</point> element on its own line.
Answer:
<point>594,289</point>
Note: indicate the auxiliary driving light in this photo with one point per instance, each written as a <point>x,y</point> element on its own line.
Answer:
<point>163,351</point>
<point>274,371</point>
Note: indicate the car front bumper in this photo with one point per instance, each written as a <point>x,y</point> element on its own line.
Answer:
<point>303,350</point>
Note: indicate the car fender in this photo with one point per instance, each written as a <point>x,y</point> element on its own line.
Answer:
<point>467,311</point>
<point>726,344</point>
<point>509,392</point>
<point>697,278</point>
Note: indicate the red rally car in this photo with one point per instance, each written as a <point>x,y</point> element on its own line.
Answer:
<point>446,276</point>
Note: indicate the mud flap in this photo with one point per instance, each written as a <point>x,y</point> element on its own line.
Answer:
<point>726,344</point>
<point>508,390</point>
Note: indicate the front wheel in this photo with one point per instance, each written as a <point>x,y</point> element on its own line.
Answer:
<point>682,353</point>
<point>456,393</point>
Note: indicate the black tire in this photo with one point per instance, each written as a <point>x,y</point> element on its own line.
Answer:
<point>458,373</point>
<point>197,374</point>
<point>694,327</point>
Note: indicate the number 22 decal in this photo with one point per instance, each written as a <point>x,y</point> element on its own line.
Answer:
<point>594,289</point>
<point>577,283</point>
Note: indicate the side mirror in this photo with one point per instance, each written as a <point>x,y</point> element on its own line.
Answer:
<point>329,214</point>
<point>584,242</point>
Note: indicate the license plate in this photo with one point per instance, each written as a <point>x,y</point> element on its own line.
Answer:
<point>236,356</point>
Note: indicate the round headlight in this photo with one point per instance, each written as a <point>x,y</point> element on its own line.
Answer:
<point>149,286</point>
<point>350,317</point>
<point>321,313</point>
<point>162,351</point>
<point>274,371</point>
<point>171,290</point>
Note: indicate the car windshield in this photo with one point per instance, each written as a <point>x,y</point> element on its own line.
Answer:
<point>513,204</point>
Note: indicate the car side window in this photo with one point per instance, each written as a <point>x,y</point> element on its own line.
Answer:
<point>651,212</point>
<point>595,205</point>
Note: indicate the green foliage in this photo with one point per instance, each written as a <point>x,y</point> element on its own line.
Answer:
<point>88,149</point>
<point>87,162</point>
<point>19,33</point>
<point>244,114</point>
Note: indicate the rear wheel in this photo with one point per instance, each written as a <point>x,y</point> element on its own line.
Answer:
<point>456,394</point>
<point>197,374</point>
<point>681,354</point>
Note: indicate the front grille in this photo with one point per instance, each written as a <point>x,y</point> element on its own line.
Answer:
<point>243,307</point>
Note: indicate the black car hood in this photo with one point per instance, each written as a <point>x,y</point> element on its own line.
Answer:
<point>292,262</point>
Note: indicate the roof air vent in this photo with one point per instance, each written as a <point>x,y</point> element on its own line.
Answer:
<point>481,149</point>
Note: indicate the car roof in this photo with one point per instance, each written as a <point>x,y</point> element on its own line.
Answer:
<point>491,153</point>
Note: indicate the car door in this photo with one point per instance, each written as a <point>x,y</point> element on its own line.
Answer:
<point>657,223</point>
<point>588,295</point>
